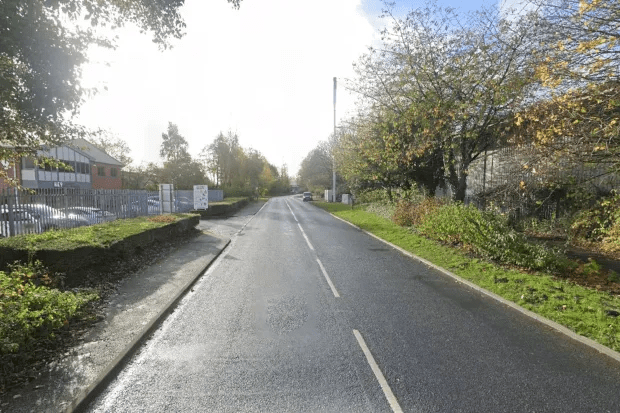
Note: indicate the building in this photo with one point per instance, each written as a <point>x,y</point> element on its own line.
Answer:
<point>92,168</point>
<point>105,170</point>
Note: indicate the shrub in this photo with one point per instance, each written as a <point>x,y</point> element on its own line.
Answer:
<point>489,236</point>
<point>598,222</point>
<point>409,213</point>
<point>31,309</point>
<point>372,196</point>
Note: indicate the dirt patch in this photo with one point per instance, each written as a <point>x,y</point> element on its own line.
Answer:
<point>606,278</point>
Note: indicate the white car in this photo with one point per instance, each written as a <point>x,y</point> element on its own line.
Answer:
<point>23,222</point>
<point>91,214</point>
<point>51,218</point>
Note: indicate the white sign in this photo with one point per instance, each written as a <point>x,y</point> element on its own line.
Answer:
<point>201,197</point>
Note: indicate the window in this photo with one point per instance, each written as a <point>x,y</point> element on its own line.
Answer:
<point>100,171</point>
<point>27,163</point>
<point>82,168</point>
<point>114,172</point>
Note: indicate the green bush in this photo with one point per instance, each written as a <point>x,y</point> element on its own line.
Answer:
<point>31,309</point>
<point>601,224</point>
<point>488,235</point>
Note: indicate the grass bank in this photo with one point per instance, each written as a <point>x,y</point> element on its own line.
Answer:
<point>100,235</point>
<point>590,313</point>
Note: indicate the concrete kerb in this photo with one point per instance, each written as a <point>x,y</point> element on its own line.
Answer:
<point>552,324</point>
<point>88,394</point>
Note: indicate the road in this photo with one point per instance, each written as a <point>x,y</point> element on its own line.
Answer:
<point>305,313</point>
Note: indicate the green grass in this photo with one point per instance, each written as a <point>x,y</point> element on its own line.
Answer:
<point>229,201</point>
<point>99,235</point>
<point>580,309</point>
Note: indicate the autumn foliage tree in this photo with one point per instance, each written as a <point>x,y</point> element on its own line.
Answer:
<point>43,45</point>
<point>577,120</point>
<point>241,171</point>
<point>444,86</point>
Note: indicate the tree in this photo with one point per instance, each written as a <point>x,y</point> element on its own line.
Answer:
<point>315,172</point>
<point>223,159</point>
<point>184,174</point>
<point>580,41</point>
<point>446,85</point>
<point>115,147</point>
<point>179,167</point>
<point>174,146</point>
<point>142,177</point>
<point>43,45</point>
<point>368,158</point>
<point>577,122</point>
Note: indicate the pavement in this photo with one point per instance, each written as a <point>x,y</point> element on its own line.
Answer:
<point>133,312</point>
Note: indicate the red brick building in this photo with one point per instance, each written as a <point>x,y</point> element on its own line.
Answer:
<point>105,170</point>
<point>91,167</point>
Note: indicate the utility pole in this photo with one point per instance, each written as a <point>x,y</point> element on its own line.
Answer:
<point>333,159</point>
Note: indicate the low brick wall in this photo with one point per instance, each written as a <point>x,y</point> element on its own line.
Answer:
<point>72,263</point>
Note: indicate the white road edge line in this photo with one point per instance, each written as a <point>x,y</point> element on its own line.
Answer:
<point>329,281</point>
<point>543,320</point>
<point>377,371</point>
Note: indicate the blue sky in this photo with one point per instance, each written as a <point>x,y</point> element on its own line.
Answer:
<point>264,71</point>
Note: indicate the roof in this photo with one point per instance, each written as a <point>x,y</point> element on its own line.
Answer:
<point>95,153</point>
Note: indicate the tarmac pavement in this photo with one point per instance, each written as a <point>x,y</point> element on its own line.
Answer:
<point>141,302</point>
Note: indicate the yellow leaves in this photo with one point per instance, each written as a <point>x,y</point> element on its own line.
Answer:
<point>522,185</point>
<point>519,119</point>
<point>585,7</point>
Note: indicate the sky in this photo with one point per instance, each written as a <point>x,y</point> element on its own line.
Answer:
<point>264,71</point>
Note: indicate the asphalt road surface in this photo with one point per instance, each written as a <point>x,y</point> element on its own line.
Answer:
<point>304,313</point>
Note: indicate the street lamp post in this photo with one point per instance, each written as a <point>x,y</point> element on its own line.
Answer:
<point>333,158</point>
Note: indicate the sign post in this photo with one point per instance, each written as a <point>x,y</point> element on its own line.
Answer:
<point>201,197</point>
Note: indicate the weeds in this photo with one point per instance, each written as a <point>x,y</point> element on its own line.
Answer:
<point>31,308</point>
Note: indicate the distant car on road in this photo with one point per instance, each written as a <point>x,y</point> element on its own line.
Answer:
<point>93,215</point>
<point>23,222</point>
<point>307,196</point>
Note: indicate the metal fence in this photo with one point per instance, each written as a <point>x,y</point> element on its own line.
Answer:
<point>39,210</point>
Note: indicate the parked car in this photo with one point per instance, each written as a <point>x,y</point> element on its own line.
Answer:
<point>307,196</point>
<point>150,206</point>
<point>93,215</point>
<point>183,204</point>
<point>52,218</point>
<point>23,222</point>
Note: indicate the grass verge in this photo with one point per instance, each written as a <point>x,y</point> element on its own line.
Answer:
<point>585,311</point>
<point>99,235</point>
<point>229,201</point>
